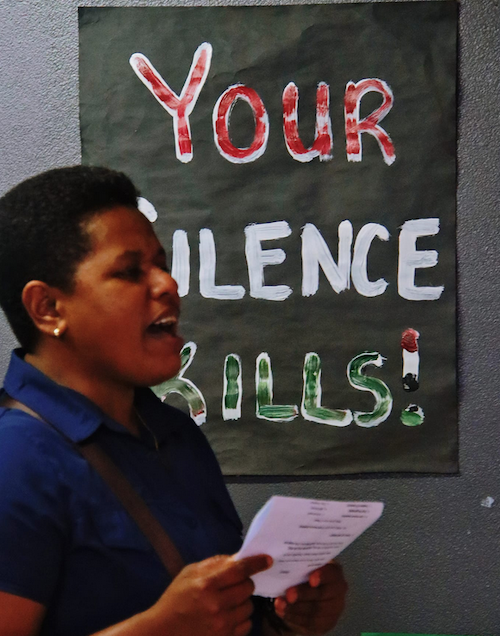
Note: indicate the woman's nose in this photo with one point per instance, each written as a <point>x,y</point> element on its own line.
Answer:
<point>163,283</point>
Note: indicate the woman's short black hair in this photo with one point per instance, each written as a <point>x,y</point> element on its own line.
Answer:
<point>42,232</point>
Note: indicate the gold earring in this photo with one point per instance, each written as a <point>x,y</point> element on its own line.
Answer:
<point>57,332</point>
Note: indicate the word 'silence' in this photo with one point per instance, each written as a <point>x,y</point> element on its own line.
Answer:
<point>352,261</point>
<point>181,106</point>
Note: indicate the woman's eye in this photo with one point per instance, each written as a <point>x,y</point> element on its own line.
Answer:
<point>130,273</point>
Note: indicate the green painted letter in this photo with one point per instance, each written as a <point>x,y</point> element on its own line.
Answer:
<point>231,398</point>
<point>265,409</point>
<point>380,390</point>
<point>181,385</point>
<point>311,408</point>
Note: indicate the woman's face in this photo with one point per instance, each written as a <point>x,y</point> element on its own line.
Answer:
<point>121,317</point>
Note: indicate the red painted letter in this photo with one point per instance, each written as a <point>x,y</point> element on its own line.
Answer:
<point>354,127</point>
<point>221,115</point>
<point>179,106</point>
<point>323,138</point>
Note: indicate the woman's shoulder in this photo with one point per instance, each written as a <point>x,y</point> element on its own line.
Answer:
<point>16,425</point>
<point>28,446</point>
<point>33,520</point>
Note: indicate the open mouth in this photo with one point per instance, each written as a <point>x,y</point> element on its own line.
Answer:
<point>162,326</point>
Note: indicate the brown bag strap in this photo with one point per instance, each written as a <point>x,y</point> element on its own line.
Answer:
<point>133,503</point>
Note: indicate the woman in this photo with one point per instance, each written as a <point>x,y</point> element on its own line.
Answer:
<point>85,287</point>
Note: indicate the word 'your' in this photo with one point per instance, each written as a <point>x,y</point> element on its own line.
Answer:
<point>181,106</point>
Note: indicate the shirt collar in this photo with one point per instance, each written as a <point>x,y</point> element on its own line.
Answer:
<point>70,412</point>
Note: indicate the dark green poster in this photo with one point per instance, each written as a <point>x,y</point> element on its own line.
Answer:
<point>300,161</point>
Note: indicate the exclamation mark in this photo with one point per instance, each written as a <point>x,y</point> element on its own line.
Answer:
<point>413,414</point>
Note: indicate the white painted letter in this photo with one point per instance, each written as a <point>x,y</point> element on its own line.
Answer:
<point>147,208</point>
<point>257,258</point>
<point>359,261</point>
<point>411,259</point>
<point>208,288</point>
<point>315,252</point>
<point>180,261</point>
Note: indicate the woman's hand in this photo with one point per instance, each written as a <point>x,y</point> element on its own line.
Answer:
<point>211,597</point>
<point>314,607</point>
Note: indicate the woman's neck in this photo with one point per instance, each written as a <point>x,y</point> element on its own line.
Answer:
<point>116,400</point>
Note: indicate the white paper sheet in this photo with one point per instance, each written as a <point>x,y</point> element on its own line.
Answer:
<point>301,535</point>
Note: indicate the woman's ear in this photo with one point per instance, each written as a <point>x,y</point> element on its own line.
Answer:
<point>41,302</point>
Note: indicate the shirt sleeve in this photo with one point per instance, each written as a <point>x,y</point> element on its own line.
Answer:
<point>32,519</point>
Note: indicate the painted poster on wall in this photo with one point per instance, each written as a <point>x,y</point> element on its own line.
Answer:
<point>300,164</point>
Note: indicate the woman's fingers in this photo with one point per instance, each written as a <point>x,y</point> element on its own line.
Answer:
<point>321,608</point>
<point>314,607</point>
<point>307,593</point>
<point>234,571</point>
<point>319,621</point>
<point>211,597</point>
<point>326,582</point>
<point>313,594</point>
<point>236,619</point>
<point>236,594</point>
<point>243,629</point>
<point>241,613</point>
<point>329,573</point>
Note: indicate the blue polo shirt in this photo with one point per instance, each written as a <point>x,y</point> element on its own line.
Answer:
<point>65,540</point>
